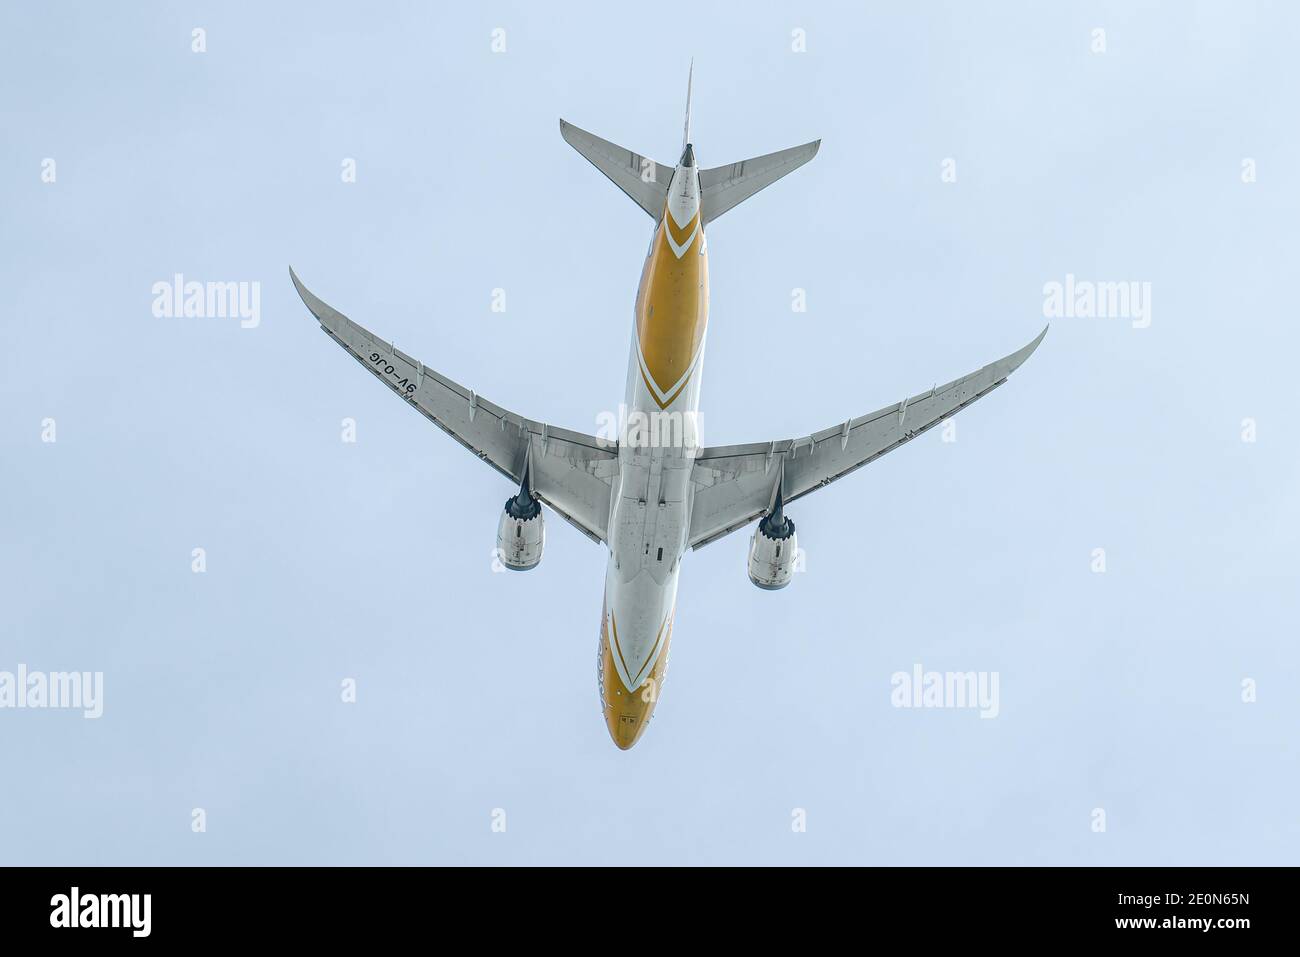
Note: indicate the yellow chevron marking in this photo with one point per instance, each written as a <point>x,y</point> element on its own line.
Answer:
<point>672,310</point>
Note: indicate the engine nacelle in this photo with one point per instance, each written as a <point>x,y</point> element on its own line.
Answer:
<point>521,534</point>
<point>772,552</point>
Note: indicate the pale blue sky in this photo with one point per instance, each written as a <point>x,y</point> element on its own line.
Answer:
<point>476,690</point>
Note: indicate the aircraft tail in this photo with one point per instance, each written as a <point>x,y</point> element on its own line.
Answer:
<point>647,182</point>
<point>686,127</point>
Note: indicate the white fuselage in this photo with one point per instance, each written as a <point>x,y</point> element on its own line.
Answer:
<point>650,510</point>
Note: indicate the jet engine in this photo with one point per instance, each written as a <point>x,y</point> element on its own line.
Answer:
<point>522,532</point>
<point>772,550</point>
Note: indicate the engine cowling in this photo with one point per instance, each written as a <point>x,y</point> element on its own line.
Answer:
<point>773,549</point>
<point>521,534</point>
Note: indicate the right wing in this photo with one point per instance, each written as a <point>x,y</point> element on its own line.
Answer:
<point>735,484</point>
<point>571,472</point>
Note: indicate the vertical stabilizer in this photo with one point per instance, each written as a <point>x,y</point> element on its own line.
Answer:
<point>686,127</point>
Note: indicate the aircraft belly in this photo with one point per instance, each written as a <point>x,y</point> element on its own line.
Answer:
<point>650,518</point>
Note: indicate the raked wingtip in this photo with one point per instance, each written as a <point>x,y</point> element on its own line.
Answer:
<point>1032,347</point>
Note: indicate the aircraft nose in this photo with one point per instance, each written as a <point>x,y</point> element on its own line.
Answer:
<point>627,712</point>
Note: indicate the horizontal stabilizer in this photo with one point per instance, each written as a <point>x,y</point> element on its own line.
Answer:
<point>726,186</point>
<point>640,177</point>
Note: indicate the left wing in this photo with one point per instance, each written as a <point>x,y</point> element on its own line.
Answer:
<point>735,484</point>
<point>571,472</point>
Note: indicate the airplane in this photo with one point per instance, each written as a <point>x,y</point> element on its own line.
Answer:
<point>651,492</point>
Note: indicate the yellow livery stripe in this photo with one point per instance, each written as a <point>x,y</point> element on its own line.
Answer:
<point>672,309</point>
